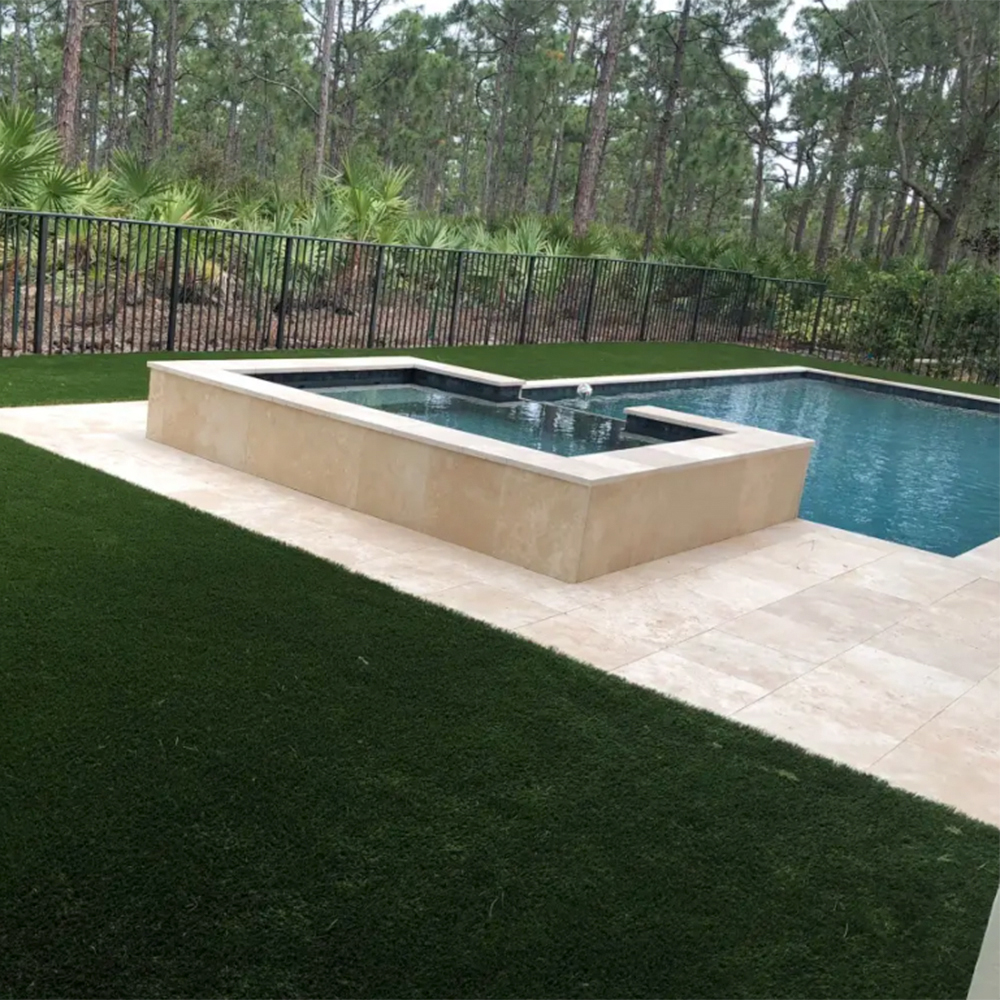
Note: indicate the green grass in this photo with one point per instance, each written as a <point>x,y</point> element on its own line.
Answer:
<point>230,769</point>
<point>27,381</point>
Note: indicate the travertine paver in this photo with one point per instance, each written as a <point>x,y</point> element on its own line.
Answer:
<point>873,654</point>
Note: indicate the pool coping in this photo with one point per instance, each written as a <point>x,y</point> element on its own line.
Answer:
<point>542,389</point>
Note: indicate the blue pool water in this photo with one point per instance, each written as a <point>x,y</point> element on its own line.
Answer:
<point>531,424</point>
<point>923,474</point>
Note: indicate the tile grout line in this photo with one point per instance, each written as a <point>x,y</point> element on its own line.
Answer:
<point>927,722</point>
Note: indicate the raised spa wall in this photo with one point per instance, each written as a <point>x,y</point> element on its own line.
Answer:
<point>569,518</point>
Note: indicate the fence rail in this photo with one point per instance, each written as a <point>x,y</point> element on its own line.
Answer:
<point>73,284</point>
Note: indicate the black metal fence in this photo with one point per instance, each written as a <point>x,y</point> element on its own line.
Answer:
<point>75,284</point>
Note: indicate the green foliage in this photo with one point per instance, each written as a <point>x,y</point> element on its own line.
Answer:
<point>909,313</point>
<point>135,186</point>
<point>31,174</point>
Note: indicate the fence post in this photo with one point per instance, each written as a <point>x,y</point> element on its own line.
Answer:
<point>697,303</point>
<point>279,337</point>
<point>456,294</point>
<point>744,305</point>
<point>589,309</point>
<point>40,262</point>
<point>646,299</point>
<point>819,312</point>
<point>175,277</point>
<point>526,305</point>
<point>373,315</point>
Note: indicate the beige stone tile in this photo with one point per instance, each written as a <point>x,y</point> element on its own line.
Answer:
<point>493,605</point>
<point>941,620</point>
<point>540,523</point>
<point>984,560</point>
<point>692,682</point>
<point>418,573</point>
<point>971,721</point>
<point>746,583</point>
<point>979,600</point>
<point>869,689</point>
<point>960,776</point>
<point>823,555</point>
<point>938,649</point>
<point>392,478</point>
<point>610,540</point>
<point>921,577</point>
<point>805,640</point>
<point>749,661</point>
<point>983,566</point>
<point>204,420</point>
<point>577,639</point>
<point>673,512</point>
<point>646,574</point>
<point>844,607</point>
<point>393,537</point>
<point>304,451</point>
<point>545,590</point>
<point>787,717</point>
<point>771,493</point>
<point>911,679</point>
<point>855,538</point>
<point>334,546</point>
<point>462,496</point>
<point>661,614</point>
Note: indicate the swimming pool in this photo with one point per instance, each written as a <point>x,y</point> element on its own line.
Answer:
<point>920,473</point>
<point>540,426</point>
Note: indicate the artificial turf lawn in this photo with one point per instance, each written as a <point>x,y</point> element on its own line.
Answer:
<point>27,381</point>
<point>228,768</point>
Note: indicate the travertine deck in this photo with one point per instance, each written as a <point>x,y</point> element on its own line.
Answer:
<point>870,653</point>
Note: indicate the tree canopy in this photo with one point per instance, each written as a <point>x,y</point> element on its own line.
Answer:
<point>864,131</point>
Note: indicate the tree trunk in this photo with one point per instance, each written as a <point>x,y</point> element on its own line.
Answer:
<point>838,157</point>
<point>813,183</point>
<point>888,249</point>
<point>112,119</point>
<point>527,160</point>
<point>850,230</point>
<point>971,163</point>
<point>15,69</point>
<point>674,186</point>
<point>909,226</point>
<point>803,221</point>
<point>152,85</point>
<point>664,130</point>
<point>552,202</point>
<point>335,83</point>
<point>92,122</point>
<point>919,242</point>
<point>69,86</point>
<point>323,114</point>
<point>590,156</point>
<point>170,75</point>
<point>635,188</point>
<point>873,229</point>
<point>232,135</point>
<point>758,193</point>
<point>126,125</point>
<point>944,237</point>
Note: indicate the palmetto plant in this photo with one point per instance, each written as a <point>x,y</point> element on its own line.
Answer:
<point>31,174</point>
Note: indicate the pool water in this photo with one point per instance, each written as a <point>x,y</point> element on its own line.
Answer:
<point>531,424</point>
<point>919,473</point>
